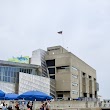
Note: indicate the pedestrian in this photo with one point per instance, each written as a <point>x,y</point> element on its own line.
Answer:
<point>42,106</point>
<point>9,107</point>
<point>4,107</point>
<point>46,106</point>
<point>17,106</point>
<point>31,105</point>
<point>28,106</point>
<point>22,106</point>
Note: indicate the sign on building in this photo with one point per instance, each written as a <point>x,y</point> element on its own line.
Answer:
<point>20,59</point>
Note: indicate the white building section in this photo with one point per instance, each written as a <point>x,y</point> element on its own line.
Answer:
<point>33,82</point>
<point>7,87</point>
<point>38,58</point>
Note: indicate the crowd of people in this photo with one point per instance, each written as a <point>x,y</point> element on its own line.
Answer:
<point>18,106</point>
<point>23,106</point>
<point>6,107</point>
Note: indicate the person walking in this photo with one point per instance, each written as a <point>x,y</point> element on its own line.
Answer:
<point>17,106</point>
<point>28,106</point>
<point>4,107</point>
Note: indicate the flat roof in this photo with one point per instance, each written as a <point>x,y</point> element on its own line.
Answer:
<point>15,64</point>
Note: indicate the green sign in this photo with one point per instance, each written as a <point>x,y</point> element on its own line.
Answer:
<point>21,59</point>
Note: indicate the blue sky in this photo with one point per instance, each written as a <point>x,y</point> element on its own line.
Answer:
<point>27,25</point>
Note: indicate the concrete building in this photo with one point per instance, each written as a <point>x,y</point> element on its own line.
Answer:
<point>74,78</point>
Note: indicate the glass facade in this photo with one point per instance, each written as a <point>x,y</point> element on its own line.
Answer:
<point>11,74</point>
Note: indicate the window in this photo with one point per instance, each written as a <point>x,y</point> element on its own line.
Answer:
<point>83,74</point>
<point>63,67</point>
<point>60,95</point>
<point>50,62</point>
<point>74,92</point>
<point>12,74</point>
<point>74,84</point>
<point>8,79</point>
<point>90,77</point>
<point>90,95</point>
<point>74,68</point>
<point>51,70</point>
<point>85,94</point>
<point>3,78</point>
<point>52,77</point>
<point>6,73</point>
<point>74,76</point>
<point>30,71</point>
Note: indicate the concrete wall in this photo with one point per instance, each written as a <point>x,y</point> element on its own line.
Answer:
<point>70,105</point>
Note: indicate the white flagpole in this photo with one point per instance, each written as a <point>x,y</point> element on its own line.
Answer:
<point>62,40</point>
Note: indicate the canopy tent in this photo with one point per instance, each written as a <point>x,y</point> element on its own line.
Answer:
<point>11,96</point>
<point>2,94</point>
<point>34,95</point>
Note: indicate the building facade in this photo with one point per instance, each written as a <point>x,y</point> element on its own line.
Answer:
<point>19,78</point>
<point>74,78</point>
<point>56,72</point>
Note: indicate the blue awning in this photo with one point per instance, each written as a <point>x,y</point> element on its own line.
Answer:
<point>34,95</point>
<point>11,96</point>
<point>2,94</point>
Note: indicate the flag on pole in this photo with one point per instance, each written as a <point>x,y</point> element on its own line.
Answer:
<point>60,32</point>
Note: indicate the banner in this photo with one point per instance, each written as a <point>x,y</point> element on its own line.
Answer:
<point>21,59</point>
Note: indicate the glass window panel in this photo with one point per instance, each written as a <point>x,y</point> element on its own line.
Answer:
<point>33,71</point>
<point>6,69</point>
<point>17,80</point>
<point>2,71</point>
<point>3,78</point>
<point>12,80</point>
<point>8,74</point>
<point>74,92</point>
<point>11,73</point>
<point>74,84</point>
<point>5,73</point>
<point>8,79</point>
<point>28,71</point>
<point>21,70</point>
<point>18,70</point>
<point>51,70</point>
<point>74,76</point>
<point>25,70</point>
<point>15,74</point>
<point>50,62</point>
